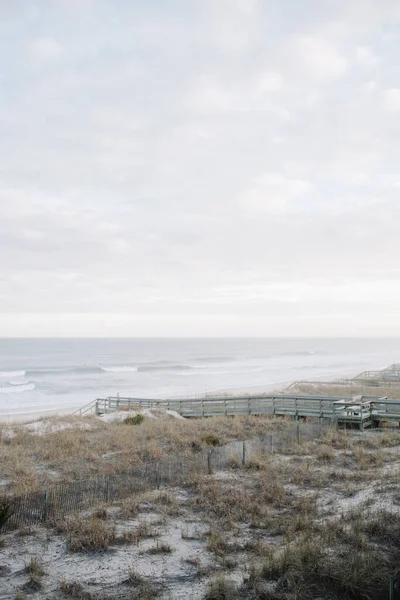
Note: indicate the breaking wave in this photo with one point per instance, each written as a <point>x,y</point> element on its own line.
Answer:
<point>169,368</point>
<point>17,388</point>
<point>10,374</point>
<point>121,369</point>
<point>300,353</point>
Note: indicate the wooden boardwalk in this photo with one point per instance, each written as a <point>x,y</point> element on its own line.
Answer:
<point>364,411</point>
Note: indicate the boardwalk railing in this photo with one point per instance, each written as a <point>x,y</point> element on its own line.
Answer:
<point>362,410</point>
<point>67,498</point>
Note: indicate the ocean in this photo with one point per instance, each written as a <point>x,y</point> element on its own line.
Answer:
<point>44,376</point>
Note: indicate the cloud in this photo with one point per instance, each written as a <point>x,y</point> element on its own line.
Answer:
<point>270,82</point>
<point>391,100</point>
<point>211,94</point>
<point>45,49</point>
<point>207,158</point>
<point>366,57</point>
<point>274,193</point>
<point>319,57</point>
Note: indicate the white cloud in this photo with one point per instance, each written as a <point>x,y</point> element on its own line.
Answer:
<point>319,56</point>
<point>132,165</point>
<point>45,49</point>
<point>270,82</point>
<point>273,193</point>
<point>366,57</point>
<point>391,100</point>
<point>209,94</point>
<point>370,86</point>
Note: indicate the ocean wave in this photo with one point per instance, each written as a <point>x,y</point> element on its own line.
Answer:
<point>173,368</point>
<point>300,353</point>
<point>121,369</point>
<point>213,359</point>
<point>17,388</point>
<point>77,370</point>
<point>10,374</point>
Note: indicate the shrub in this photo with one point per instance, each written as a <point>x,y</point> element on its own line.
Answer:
<point>35,567</point>
<point>143,589</point>
<point>100,513</point>
<point>216,543</point>
<point>309,569</point>
<point>5,512</point>
<point>74,589</point>
<point>162,548</point>
<point>90,536</point>
<point>326,453</point>
<point>210,440</point>
<point>221,589</point>
<point>136,420</point>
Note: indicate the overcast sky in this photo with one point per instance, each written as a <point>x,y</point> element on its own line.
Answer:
<point>199,167</point>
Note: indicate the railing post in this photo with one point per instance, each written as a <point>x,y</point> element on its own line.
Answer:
<point>298,433</point>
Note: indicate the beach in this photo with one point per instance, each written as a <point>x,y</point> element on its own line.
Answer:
<point>50,376</point>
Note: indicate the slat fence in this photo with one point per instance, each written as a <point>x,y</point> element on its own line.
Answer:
<point>68,498</point>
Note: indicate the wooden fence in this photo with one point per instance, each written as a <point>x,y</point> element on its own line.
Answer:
<point>66,498</point>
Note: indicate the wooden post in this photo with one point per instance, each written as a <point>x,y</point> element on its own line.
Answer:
<point>298,433</point>
<point>244,454</point>
<point>209,462</point>
<point>158,475</point>
<point>46,508</point>
<point>107,489</point>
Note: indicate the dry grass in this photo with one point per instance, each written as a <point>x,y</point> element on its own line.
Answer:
<point>34,461</point>
<point>94,535</point>
<point>222,589</point>
<point>350,390</point>
<point>350,558</point>
<point>326,453</point>
<point>35,567</point>
<point>160,548</point>
<point>300,526</point>
<point>143,589</point>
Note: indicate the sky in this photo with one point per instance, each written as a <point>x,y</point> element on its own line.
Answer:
<point>199,168</point>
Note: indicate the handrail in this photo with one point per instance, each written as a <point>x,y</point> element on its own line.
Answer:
<point>363,410</point>
<point>87,408</point>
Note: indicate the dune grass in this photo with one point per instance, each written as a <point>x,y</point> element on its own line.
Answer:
<point>33,461</point>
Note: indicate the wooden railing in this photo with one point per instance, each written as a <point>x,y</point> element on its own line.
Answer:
<point>361,410</point>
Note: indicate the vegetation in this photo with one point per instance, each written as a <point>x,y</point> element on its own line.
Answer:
<point>221,589</point>
<point>318,519</point>
<point>88,446</point>
<point>5,512</point>
<point>136,420</point>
